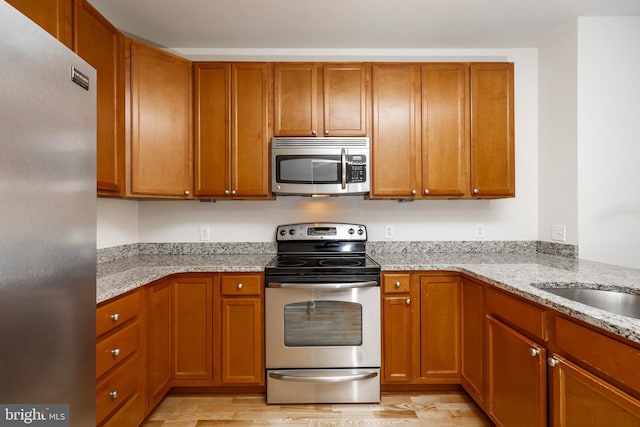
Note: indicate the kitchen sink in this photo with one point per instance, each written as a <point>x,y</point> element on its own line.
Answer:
<point>611,300</point>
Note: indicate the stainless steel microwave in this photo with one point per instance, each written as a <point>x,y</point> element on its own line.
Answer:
<point>320,166</point>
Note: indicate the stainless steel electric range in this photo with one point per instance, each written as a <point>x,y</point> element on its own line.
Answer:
<point>322,316</point>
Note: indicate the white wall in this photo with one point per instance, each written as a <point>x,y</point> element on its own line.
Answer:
<point>558,137</point>
<point>609,139</point>
<point>507,219</point>
<point>117,222</point>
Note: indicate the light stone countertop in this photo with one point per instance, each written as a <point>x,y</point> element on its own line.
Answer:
<point>514,272</point>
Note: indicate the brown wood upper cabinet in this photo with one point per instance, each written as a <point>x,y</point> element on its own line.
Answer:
<point>160,128</point>
<point>54,16</point>
<point>442,130</point>
<point>492,130</point>
<point>232,129</point>
<point>327,99</point>
<point>101,45</point>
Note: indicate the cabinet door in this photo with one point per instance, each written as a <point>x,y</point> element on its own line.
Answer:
<point>345,99</point>
<point>192,329</point>
<point>396,130</point>
<point>101,45</point>
<point>250,135</point>
<point>212,85</point>
<point>581,399</point>
<point>242,341</point>
<point>54,16</point>
<point>445,130</point>
<point>296,99</point>
<point>160,342</point>
<point>472,338</point>
<point>440,328</point>
<point>160,123</point>
<point>397,338</point>
<point>492,130</point>
<point>516,377</point>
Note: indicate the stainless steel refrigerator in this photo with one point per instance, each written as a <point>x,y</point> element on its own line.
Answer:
<point>47,228</point>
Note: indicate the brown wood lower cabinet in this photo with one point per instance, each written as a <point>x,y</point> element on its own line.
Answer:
<point>581,399</point>
<point>516,377</point>
<point>472,338</point>
<point>192,329</point>
<point>120,350</point>
<point>421,328</point>
<point>241,330</point>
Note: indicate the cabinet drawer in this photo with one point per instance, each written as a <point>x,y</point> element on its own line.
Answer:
<point>250,284</point>
<point>116,388</point>
<point>529,318</point>
<point>615,359</point>
<point>117,347</point>
<point>131,414</point>
<point>116,313</point>
<point>396,283</point>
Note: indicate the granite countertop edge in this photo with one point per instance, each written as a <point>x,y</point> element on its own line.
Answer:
<point>512,272</point>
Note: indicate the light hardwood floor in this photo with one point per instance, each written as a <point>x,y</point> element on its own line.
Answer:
<point>396,409</point>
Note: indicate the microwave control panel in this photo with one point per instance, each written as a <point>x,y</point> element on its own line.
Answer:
<point>356,168</point>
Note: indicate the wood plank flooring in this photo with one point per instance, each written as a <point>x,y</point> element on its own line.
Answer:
<point>396,409</point>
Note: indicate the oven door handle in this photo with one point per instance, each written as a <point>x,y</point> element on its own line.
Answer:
<point>326,378</point>
<point>324,286</point>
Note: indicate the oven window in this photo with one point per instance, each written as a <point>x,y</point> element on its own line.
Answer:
<point>308,169</point>
<point>322,323</point>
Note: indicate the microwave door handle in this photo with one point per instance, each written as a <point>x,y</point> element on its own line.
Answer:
<point>344,168</point>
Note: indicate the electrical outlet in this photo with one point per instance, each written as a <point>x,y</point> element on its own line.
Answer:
<point>559,233</point>
<point>389,233</point>
<point>205,233</point>
<point>479,231</point>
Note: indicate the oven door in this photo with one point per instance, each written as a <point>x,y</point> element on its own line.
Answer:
<point>322,326</point>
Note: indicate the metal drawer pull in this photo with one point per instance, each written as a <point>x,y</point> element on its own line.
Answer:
<point>329,286</point>
<point>239,286</point>
<point>341,378</point>
<point>397,284</point>
<point>115,317</point>
<point>408,301</point>
<point>114,394</point>
<point>534,352</point>
<point>115,352</point>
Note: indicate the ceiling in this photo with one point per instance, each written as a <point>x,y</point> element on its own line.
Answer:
<point>351,24</point>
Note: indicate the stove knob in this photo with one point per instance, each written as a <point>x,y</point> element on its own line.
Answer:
<point>360,232</point>
<point>351,231</point>
<point>283,231</point>
<point>292,231</point>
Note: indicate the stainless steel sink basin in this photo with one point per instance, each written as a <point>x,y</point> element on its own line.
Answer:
<point>613,301</point>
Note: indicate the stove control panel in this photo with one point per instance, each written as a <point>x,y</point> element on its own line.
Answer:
<point>321,231</point>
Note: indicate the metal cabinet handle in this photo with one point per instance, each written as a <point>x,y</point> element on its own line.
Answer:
<point>239,286</point>
<point>115,352</point>
<point>226,192</point>
<point>233,192</point>
<point>187,192</point>
<point>314,133</point>
<point>426,191</point>
<point>552,362</point>
<point>476,191</point>
<point>534,352</point>
<point>114,394</point>
<point>115,317</point>
<point>326,132</point>
<point>408,301</point>
<point>397,284</point>
<point>413,192</point>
